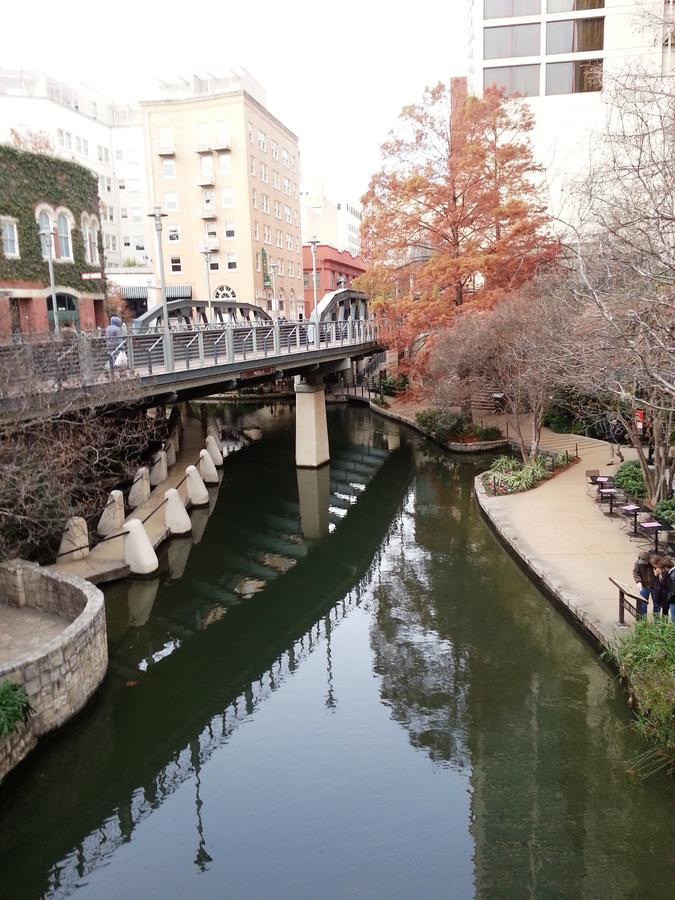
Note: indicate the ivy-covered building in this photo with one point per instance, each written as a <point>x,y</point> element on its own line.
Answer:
<point>40,193</point>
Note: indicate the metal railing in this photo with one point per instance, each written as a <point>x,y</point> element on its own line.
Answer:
<point>45,363</point>
<point>625,605</point>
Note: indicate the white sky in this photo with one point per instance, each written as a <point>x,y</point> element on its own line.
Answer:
<point>335,73</point>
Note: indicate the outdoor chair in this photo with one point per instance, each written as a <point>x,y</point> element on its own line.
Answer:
<point>590,487</point>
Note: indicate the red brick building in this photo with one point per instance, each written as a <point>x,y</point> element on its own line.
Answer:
<point>40,194</point>
<point>335,269</point>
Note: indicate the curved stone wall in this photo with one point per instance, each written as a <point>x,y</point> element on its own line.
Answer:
<point>62,675</point>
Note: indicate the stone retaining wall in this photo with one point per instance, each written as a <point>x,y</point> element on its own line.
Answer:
<point>63,675</point>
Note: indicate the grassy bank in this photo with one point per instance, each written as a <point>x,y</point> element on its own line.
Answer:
<point>646,659</point>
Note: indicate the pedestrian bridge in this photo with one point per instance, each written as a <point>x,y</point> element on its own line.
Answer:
<point>172,364</point>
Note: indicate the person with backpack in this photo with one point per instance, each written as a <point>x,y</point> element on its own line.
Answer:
<point>668,598</point>
<point>644,577</point>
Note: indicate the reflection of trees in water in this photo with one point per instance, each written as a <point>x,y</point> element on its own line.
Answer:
<point>483,672</point>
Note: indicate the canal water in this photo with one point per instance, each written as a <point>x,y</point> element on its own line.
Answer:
<point>341,686</point>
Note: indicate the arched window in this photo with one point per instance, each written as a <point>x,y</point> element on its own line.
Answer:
<point>85,238</point>
<point>224,292</point>
<point>291,295</point>
<point>93,241</point>
<point>63,246</point>
<point>46,232</point>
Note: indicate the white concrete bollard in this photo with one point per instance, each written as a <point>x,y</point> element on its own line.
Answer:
<point>75,541</point>
<point>159,471</point>
<point>139,492</point>
<point>175,437</point>
<point>196,489</point>
<point>175,514</point>
<point>170,453</point>
<point>112,517</point>
<point>139,554</point>
<point>213,451</point>
<point>207,469</point>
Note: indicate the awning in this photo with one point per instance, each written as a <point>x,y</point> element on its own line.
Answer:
<point>173,292</point>
<point>179,292</point>
<point>134,292</point>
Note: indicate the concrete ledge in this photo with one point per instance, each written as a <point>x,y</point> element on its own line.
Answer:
<point>61,677</point>
<point>454,447</point>
<point>537,567</point>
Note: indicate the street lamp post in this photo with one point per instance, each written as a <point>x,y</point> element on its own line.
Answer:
<point>207,263</point>
<point>158,215</point>
<point>274,268</point>
<point>313,242</point>
<point>46,236</point>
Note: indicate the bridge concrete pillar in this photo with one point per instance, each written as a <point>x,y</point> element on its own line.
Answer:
<point>140,490</point>
<point>313,495</point>
<point>75,541</point>
<point>311,428</point>
<point>112,517</point>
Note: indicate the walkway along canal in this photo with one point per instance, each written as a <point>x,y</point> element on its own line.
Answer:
<point>388,709</point>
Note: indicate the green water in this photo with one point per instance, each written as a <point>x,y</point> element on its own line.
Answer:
<point>388,708</point>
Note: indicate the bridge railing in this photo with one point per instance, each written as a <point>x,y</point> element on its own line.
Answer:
<point>47,363</point>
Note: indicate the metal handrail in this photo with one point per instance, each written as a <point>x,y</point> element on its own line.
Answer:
<point>625,605</point>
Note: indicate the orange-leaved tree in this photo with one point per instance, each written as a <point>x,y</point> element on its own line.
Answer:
<point>455,214</point>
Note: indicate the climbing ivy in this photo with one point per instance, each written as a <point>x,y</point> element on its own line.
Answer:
<point>28,179</point>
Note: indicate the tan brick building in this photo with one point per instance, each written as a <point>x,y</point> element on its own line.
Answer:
<point>226,173</point>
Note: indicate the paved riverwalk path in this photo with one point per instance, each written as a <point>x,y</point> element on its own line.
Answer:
<point>105,562</point>
<point>561,533</point>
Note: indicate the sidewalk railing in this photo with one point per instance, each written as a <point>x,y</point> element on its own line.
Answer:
<point>625,605</point>
<point>49,364</point>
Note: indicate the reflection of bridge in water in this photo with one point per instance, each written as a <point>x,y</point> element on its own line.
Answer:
<point>265,596</point>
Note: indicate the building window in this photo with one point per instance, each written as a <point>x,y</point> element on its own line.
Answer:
<point>511,40</point>
<point>168,168</point>
<point>139,242</point>
<point>513,79</point>
<point>287,187</point>
<point>575,36</point>
<point>275,179</point>
<point>256,231</point>
<point>136,214</point>
<point>230,233</point>
<point>574,77</point>
<point>257,262</point>
<point>166,138</point>
<point>225,163</point>
<point>267,235</point>
<point>121,184</point>
<point>558,6</point>
<point>284,158</point>
<point>206,167</point>
<point>227,197</point>
<point>126,240</point>
<point>250,132</point>
<point>124,212</point>
<point>265,203</point>
<point>173,232</point>
<point>214,265</point>
<point>85,147</point>
<point>288,214</point>
<point>289,241</point>
<point>502,9</point>
<point>252,166</point>
<point>176,265</point>
<point>262,141</point>
<point>224,292</point>
<point>254,199</point>
<point>171,202</point>
<point>64,248</point>
<point>10,238</point>
<point>231,261</point>
<point>209,199</point>
<point>277,209</point>
<point>204,135</point>
<point>274,147</point>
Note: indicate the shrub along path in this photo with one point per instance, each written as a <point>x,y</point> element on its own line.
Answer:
<point>561,533</point>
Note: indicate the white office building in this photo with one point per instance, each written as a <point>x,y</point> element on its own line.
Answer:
<point>556,53</point>
<point>86,127</point>
<point>337,223</point>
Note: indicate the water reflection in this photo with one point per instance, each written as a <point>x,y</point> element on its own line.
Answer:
<point>484,689</point>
